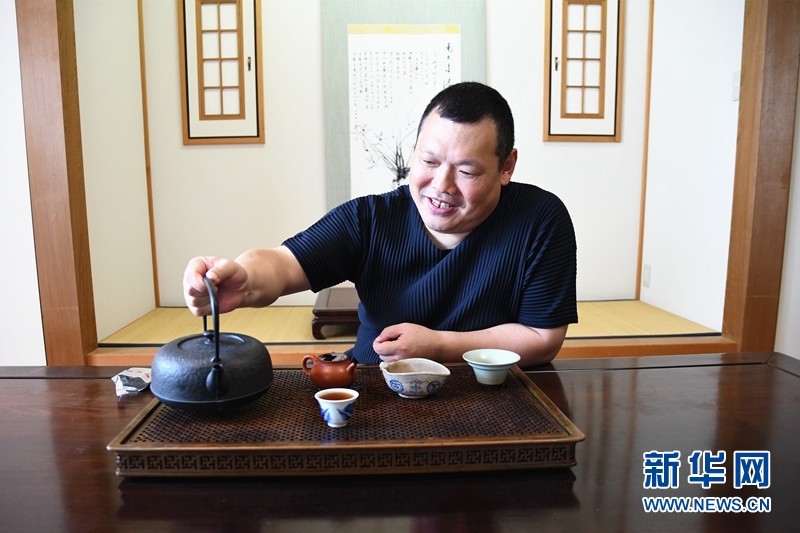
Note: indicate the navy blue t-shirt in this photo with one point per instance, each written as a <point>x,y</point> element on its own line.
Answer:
<point>518,266</point>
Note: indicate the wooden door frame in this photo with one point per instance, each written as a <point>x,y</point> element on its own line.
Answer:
<point>49,75</point>
<point>767,114</point>
<point>767,111</point>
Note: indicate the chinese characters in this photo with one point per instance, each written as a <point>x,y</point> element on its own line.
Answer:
<point>393,72</point>
<point>661,469</point>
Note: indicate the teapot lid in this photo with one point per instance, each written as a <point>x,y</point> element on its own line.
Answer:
<point>333,357</point>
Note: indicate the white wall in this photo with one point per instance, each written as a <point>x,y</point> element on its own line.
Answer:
<point>787,336</point>
<point>693,122</point>
<point>268,192</point>
<point>112,131</point>
<point>20,313</point>
<point>600,183</point>
<point>221,200</point>
<point>224,199</point>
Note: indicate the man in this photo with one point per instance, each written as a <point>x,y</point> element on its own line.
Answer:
<point>461,258</point>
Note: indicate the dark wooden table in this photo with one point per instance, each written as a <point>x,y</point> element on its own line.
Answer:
<point>56,474</point>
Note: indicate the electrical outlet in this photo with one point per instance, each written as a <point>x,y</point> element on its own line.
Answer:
<point>737,81</point>
<point>646,276</point>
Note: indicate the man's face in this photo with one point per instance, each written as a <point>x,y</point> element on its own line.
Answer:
<point>455,176</point>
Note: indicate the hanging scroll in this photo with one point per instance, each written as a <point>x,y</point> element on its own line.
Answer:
<point>468,16</point>
<point>394,71</point>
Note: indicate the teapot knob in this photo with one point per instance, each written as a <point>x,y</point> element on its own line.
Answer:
<point>217,382</point>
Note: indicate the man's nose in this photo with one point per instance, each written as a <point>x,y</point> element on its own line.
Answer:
<point>444,179</point>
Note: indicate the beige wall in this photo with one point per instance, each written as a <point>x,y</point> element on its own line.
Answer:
<point>600,183</point>
<point>787,336</point>
<point>109,86</point>
<point>20,312</point>
<point>261,194</point>
<point>692,156</point>
<point>222,200</point>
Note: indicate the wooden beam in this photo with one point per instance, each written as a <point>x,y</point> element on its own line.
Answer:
<point>635,346</point>
<point>283,356</point>
<point>767,112</point>
<point>290,355</point>
<point>55,165</point>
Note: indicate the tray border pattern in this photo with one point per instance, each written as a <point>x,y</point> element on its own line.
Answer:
<point>385,461</point>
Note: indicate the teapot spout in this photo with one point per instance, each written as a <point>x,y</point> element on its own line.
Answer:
<point>217,382</point>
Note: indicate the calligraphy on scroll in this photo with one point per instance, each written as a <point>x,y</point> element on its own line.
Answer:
<point>393,72</point>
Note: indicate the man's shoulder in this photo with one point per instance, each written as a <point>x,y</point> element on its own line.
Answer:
<point>396,196</point>
<point>399,196</point>
<point>376,209</point>
<point>385,204</point>
<point>531,197</point>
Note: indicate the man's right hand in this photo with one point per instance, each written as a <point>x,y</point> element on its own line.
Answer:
<point>229,277</point>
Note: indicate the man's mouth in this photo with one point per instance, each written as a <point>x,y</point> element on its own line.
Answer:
<point>441,205</point>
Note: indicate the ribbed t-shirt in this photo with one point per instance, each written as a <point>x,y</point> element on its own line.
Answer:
<point>518,266</point>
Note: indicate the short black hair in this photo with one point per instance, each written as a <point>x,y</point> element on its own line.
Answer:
<point>470,102</point>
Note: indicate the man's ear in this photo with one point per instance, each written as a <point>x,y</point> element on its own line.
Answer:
<point>508,167</point>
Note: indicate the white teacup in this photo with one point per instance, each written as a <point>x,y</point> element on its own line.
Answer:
<point>491,365</point>
<point>337,405</point>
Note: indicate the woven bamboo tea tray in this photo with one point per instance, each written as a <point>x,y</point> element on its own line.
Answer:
<point>463,427</point>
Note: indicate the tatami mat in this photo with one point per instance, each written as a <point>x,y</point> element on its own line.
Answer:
<point>630,318</point>
<point>292,325</point>
<point>278,324</point>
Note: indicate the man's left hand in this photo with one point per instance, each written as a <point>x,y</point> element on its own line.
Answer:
<point>402,341</point>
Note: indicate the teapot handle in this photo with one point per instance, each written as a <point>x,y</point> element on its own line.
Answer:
<point>212,296</point>
<point>306,359</point>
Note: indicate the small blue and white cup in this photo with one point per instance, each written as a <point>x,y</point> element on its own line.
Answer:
<point>337,405</point>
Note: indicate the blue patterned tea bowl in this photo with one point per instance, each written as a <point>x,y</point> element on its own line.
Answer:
<point>414,378</point>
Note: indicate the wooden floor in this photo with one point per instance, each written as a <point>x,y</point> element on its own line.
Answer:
<point>607,328</point>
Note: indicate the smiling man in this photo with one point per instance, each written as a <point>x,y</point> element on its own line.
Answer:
<point>461,258</point>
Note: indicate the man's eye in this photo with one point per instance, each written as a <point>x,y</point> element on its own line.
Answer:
<point>467,174</point>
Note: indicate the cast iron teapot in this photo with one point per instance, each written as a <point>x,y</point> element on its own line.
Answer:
<point>212,371</point>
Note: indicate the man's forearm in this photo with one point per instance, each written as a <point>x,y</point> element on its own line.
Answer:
<point>534,346</point>
<point>271,273</point>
